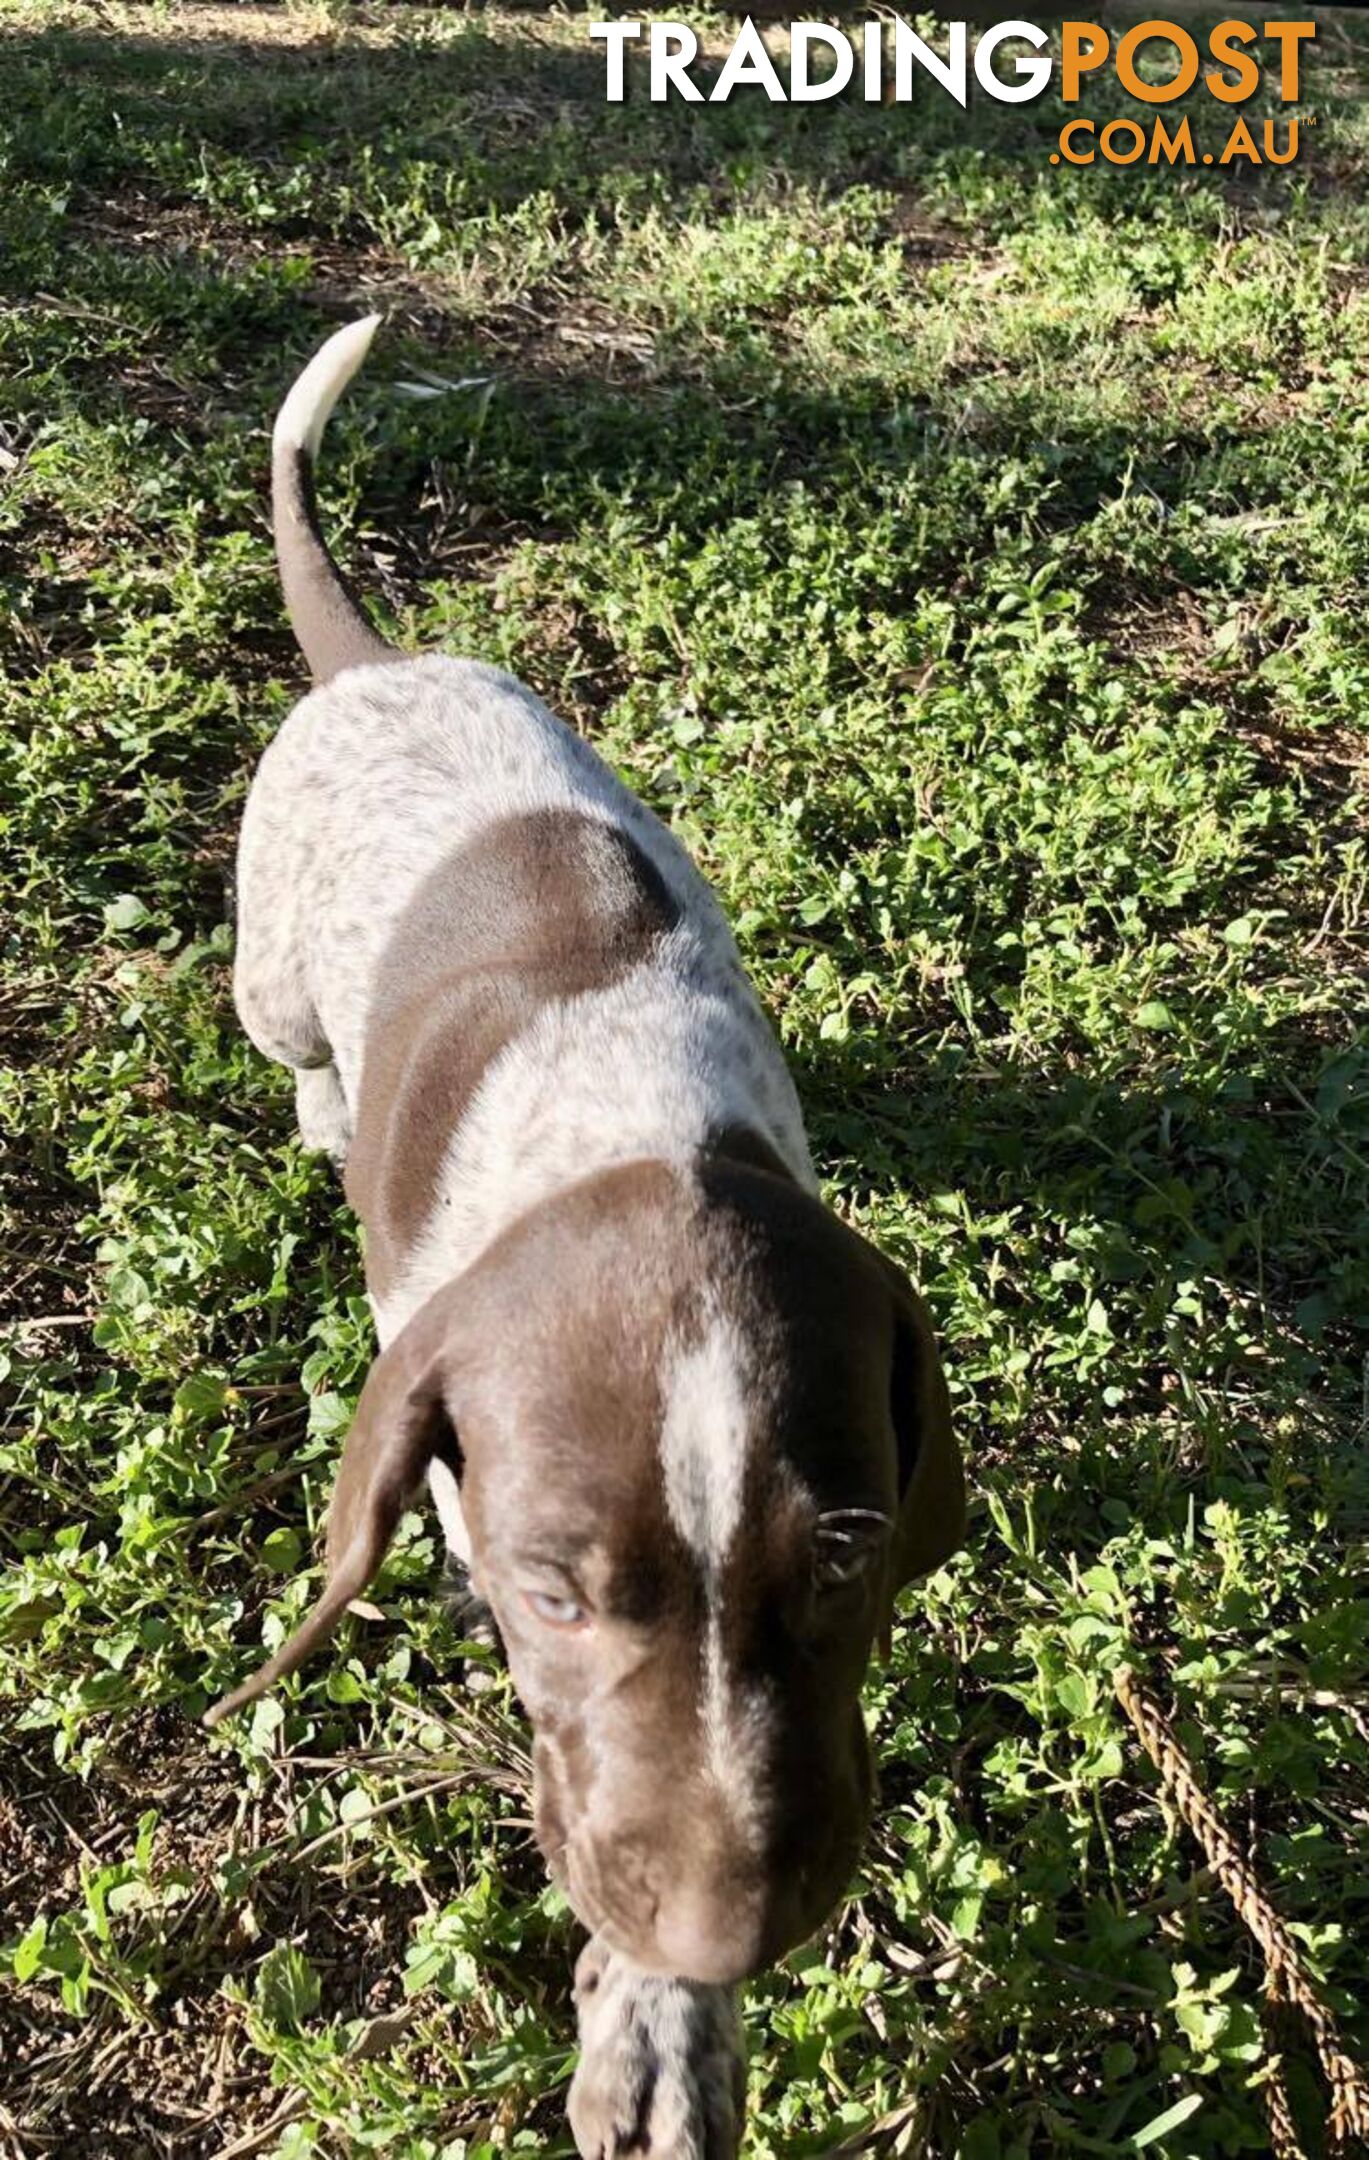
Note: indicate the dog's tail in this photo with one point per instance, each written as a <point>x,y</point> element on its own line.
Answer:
<point>324,613</point>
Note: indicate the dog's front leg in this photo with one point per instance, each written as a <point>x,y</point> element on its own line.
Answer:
<point>321,1112</point>
<point>662,2064</point>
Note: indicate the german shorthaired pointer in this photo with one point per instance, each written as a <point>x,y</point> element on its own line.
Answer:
<point>687,1432</point>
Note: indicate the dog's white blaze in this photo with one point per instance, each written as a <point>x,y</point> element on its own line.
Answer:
<point>704,1440</point>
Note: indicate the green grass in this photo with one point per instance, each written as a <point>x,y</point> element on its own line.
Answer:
<point>969,558</point>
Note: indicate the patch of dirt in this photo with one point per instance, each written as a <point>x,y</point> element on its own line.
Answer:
<point>544,331</point>
<point>100,2081</point>
<point>1166,631</point>
<point>926,239</point>
<point>43,1295</point>
<point>1332,758</point>
<point>180,2082</point>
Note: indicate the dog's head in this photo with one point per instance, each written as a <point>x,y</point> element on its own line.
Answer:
<point>702,1439</point>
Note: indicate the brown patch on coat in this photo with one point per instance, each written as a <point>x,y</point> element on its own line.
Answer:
<point>541,908</point>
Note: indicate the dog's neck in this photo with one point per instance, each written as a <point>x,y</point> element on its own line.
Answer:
<point>615,1084</point>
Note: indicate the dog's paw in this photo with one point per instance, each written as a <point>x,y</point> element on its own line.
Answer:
<point>662,2064</point>
<point>477,1624</point>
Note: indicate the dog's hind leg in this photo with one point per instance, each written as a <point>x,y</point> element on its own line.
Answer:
<point>271,978</point>
<point>278,1014</point>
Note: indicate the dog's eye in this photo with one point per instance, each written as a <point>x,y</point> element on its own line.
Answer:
<point>835,1564</point>
<point>562,1612</point>
<point>844,1544</point>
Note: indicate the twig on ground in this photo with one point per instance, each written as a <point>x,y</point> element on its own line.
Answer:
<point>256,2139</point>
<point>1287,1978</point>
<point>878,2135</point>
<point>242,1500</point>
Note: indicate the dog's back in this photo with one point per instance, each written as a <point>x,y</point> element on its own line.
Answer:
<point>512,969</point>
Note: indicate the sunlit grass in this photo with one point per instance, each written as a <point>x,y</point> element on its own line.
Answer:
<point>969,559</point>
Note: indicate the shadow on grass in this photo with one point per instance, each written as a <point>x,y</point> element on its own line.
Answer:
<point>143,154</point>
<point>509,109</point>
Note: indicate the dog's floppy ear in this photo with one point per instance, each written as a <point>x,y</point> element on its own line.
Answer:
<point>400,1424</point>
<point>931,1481</point>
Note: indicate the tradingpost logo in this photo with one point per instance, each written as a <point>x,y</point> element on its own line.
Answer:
<point>1234,76</point>
<point>887,68</point>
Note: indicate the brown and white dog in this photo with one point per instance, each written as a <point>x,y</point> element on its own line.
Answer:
<point>687,1431</point>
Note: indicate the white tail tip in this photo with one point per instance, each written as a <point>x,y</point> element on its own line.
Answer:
<point>304,415</point>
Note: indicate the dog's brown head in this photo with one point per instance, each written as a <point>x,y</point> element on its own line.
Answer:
<point>702,1439</point>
